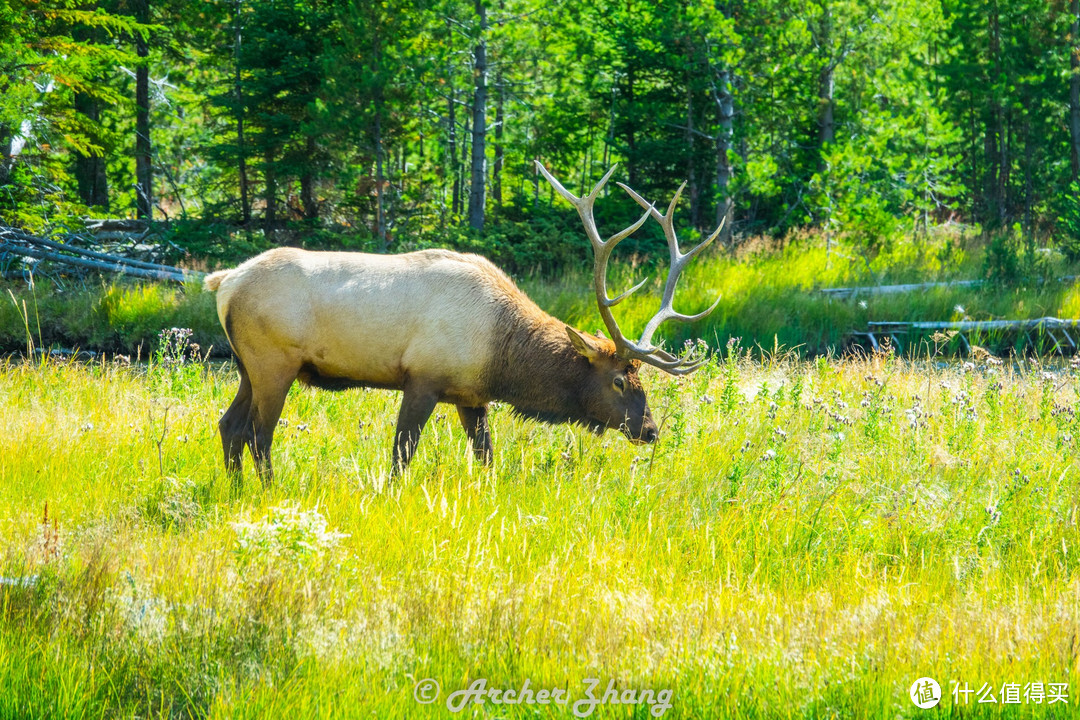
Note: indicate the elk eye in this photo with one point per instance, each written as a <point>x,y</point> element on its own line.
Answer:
<point>619,383</point>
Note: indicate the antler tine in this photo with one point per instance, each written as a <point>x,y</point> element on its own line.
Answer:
<point>643,349</point>
<point>679,261</point>
<point>602,249</point>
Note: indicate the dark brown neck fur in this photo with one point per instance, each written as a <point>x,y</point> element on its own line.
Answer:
<point>535,368</point>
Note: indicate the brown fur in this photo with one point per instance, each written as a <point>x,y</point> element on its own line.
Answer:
<point>532,361</point>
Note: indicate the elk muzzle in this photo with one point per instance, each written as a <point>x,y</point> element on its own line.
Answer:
<point>646,433</point>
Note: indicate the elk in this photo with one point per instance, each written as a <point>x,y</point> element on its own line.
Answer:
<point>439,326</point>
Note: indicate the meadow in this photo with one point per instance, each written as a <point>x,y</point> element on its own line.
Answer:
<point>806,539</point>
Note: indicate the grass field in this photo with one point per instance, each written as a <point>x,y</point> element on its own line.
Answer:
<point>806,540</point>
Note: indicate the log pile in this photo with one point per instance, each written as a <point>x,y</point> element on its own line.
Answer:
<point>111,246</point>
<point>1037,335</point>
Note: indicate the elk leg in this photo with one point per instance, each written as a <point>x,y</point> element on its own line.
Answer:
<point>475,422</point>
<point>235,427</point>
<point>268,399</point>
<point>416,407</point>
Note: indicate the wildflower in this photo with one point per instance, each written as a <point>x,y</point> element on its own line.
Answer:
<point>770,454</point>
<point>959,310</point>
<point>780,433</point>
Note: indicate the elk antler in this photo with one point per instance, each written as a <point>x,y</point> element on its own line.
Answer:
<point>643,349</point>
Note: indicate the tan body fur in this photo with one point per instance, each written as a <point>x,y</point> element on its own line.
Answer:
<point>438,325</point>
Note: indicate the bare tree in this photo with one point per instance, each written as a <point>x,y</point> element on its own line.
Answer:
<point>238,92</point>
<point>1074,87</point>
<point>500,119</point>
<point>144,169</point>
<point>478,164</point>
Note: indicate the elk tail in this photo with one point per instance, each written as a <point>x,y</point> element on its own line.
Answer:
<point>213,280</point>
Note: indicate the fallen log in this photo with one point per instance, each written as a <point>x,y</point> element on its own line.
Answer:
<point>1036,334</point>
<point>16,242</point>
<point>90,253</point>
<point>845,293</point>
<point>171,274</point>
<point>117,224</point>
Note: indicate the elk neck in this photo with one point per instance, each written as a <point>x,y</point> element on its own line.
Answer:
<point>537,370</point>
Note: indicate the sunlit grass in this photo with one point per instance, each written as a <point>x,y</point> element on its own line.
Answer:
<point>805,541</point>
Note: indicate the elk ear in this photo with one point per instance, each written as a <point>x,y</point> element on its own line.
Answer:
<point>582,345</point>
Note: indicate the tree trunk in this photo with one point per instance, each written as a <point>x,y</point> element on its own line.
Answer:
<point>826,85</point>
<point>631,136</point>
<point>724,99</point>
<point>307,183</point>
<point>144,171</point>
<point>497,168</point>
<point>725,106</point>
<point>693,188</point>
<point>1029,144</point>
<point>270,178</point>
<point>478,166</point>
<point>996,142</point>
<point>610,140</point>
<point>726,110</point>
<point>380,212</point>
<point>992,202</point>
<point>451,142</point>
<point>238,90</point>
<point>90,176</point>
<point>463,158</point>
<point>6,144</point>
<point>1074,88</point>
<point>826,119</point>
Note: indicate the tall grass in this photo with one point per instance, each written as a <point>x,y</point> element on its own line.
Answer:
<point>806,540</point>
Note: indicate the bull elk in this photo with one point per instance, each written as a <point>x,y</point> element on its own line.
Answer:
<point>441,327</point>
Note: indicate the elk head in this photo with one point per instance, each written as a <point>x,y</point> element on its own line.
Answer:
<point>612,393</point>
<point>617,360</point>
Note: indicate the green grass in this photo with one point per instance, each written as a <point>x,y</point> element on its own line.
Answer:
<point>113,317</point>
<point>806,540</point>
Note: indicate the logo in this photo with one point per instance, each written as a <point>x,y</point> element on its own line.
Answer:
<point>925,693</point>
<point>426,691</point>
